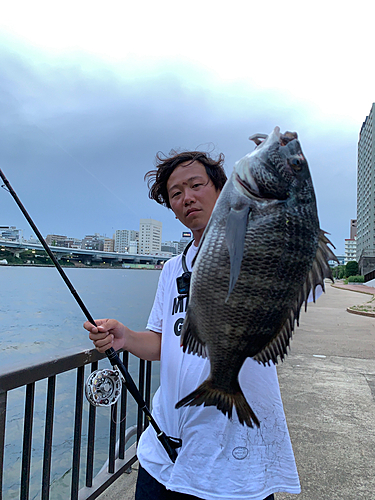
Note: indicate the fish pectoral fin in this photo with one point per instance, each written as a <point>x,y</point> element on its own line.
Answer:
<point>190,340</point>
<point>320,269</point>
<point>235,232</point>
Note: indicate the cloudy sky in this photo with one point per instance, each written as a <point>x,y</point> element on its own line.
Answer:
<point>91,91</point>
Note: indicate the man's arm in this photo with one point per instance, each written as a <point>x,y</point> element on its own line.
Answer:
<point>111,333</point>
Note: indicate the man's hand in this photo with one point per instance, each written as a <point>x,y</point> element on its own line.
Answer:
<point>111,333</point>
<point>108,333</point>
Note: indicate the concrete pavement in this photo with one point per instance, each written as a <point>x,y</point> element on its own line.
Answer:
<point>328,388</point>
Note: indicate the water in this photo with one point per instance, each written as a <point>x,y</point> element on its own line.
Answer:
<point>39,318</point>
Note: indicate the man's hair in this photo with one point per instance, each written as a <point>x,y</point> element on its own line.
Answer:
<point>157,179</point>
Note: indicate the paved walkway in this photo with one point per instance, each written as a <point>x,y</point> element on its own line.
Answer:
<point>356,288</point>
<point>328,388</point>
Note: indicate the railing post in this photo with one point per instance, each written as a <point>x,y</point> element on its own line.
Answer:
<point>77,433</point>
<point>27,438</point>
<point>3,413</point>
<point>48,371</point>
<point>141,384</point>
<point>47,453</point>
<point>148,389</point>
<point>112,439</point>
<point>123,408</point>
<point>91,438</point>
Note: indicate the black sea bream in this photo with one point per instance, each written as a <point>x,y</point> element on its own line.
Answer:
<point>260,256</point>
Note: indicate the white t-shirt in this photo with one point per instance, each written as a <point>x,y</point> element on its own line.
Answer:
<point>219,457</point>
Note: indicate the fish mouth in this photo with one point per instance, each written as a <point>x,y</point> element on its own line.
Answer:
<point>255,193</point>
<point>250,190</point>
<point>283,139</point>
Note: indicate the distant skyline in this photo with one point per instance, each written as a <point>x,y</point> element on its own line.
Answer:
<point>27,236</point>
<point>87,100</point>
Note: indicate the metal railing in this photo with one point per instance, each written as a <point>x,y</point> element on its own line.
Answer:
<point>53,419</point>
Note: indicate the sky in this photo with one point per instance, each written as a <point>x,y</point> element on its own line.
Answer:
<point>91,91</point>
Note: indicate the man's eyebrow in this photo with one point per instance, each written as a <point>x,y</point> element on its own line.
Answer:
<point>191,179</point>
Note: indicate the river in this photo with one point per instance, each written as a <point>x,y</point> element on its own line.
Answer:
<point>39,318</point>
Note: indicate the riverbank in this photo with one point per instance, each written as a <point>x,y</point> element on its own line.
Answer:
<point>92,266</point>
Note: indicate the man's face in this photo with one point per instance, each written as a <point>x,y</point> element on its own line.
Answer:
<point>192,196</point>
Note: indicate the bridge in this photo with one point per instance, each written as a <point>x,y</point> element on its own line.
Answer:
<point>86,256</point>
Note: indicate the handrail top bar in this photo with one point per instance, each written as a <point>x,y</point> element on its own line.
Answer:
<point>19,375</point>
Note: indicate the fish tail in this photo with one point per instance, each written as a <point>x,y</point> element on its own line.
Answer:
<point>210,395</point>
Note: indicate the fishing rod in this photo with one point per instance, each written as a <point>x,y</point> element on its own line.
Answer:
<point>169,444</point>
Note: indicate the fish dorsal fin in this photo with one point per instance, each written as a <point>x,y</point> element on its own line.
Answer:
<point>278,346</point>
<point>190,340</point>
<point>235,232</point>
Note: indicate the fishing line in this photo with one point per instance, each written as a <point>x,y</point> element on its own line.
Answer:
<point>103,385</point>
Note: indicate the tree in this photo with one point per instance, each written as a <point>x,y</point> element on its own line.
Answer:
<point>338,272</point>
<point>351,268</point>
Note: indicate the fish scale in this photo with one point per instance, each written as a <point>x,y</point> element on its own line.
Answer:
<point>260,255</point>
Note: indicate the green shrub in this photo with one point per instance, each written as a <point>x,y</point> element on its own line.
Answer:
<point>356,279</point>
<point>351,268</point>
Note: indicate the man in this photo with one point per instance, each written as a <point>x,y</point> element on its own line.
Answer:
<point>219,457</point>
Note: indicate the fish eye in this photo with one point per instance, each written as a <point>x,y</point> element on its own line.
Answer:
<point>296,163</point>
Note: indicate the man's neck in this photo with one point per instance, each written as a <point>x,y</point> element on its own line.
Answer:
<point>197,236</point>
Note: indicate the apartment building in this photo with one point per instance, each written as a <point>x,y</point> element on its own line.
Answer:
<point>350,249</point>
<point>149,236</point>
<point>366,186</point>
<point>124,239</point>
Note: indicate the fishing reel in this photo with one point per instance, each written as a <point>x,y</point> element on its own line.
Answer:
<point>103,387</point>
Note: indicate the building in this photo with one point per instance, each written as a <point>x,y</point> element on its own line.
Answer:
<point>10,233</point>
<point>170,246</point>
<point>133,246</point>
<point>93,242</point>
<point>123,237</point>
<point>351,243</point>
<point>350,249</point>
<point>185,238</point>
<point>149,236</point>
<point>366,187</point>
<point>109,245</point>
<point>56,240</point>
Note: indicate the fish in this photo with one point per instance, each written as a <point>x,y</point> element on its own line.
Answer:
<point>260,256</point>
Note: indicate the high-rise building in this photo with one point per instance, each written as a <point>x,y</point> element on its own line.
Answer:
<point>123,237</point>
<point>366,186</point>
<point>350,250</point>
<point>353,228</point>
<point>149,236</point>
